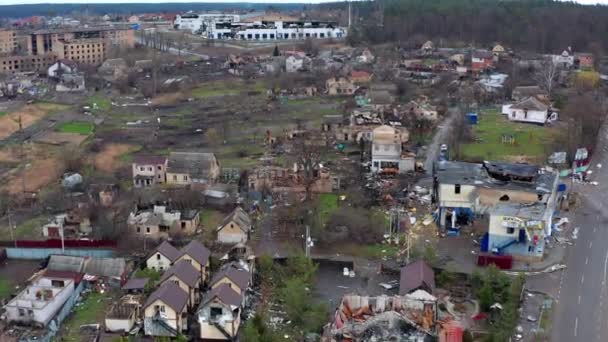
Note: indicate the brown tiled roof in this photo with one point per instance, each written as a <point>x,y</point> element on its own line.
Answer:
<point>415,275</point>
<point>235,273</point>
<point>225,294</point>
<point>148,160</point>
<point>135,284</point>
<point>167,249</point>
<point>196,251</point>
<point>184,271</point>
<point>170,294</point>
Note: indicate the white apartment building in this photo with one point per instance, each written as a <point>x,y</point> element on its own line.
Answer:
<point>387,151</point>
<point>202,22</point>
<point>39,302</point>
<point>277,30</point>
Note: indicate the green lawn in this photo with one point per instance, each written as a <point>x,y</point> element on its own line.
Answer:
<point>103,103</point>
<point>530,139</point>
<point>5,288</point>
<point>84,128</point>
<point>328,204</point>
<point>29,229</point>
<point>376,251</point>
<point>3,113</point>
<point>90,311</point>
<point>227,88</point>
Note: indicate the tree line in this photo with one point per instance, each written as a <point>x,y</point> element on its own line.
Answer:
<point>534,25</point>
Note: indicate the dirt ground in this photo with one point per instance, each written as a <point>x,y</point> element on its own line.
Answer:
<point>42,168</point>
<point>108,159</point>
<point>30,114</point>
<point>58,138</point>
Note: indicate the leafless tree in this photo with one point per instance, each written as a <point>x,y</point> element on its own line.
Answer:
<point>308,158</point>
<point>546,76</point>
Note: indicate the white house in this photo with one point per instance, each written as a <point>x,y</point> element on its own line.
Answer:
<point>294,64</point>
<point>166,311</point>
<point>148,170</point>
<point>565,60</point>
<point>163,256</point>
<point>235,228</point>
<point>40,301</point>
<point>530,110</point>
<point>387,151</point>
<point>219,314</point>
<point>519,230</point>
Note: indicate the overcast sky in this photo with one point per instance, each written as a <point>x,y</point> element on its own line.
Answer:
<point>11,2</point>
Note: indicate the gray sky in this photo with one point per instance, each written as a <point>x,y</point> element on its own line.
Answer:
<point>10,2</point>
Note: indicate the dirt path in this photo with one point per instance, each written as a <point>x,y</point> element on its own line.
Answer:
<point>38,174</point>
<point>108,159</point>
<point>440,138</point>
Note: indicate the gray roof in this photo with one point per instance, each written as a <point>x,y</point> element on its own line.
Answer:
<point>454,172</point>
<point>235,273</point>
<point>170,294</point>
<point>167,249</point>
<point>415,275</point>
<point>66,263</point>
<point>534,211</point>
<point>525,91</point>
<point>239,216</point>
<point>135,284</point>
<point>225,294</point>
<point>184,271</point>
<point>530,103</point>
<point>197,164</point>
<point>196,251</point>
<point>106,267</point>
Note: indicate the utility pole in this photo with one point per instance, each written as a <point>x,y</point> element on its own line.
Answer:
<point>22,156</point>
<point>308,241</point>
<point>10,226</point>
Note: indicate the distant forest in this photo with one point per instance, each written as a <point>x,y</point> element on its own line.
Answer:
<point>22,11</point>
<point>535,25</point>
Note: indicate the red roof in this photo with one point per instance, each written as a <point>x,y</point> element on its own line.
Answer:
<point>359,74</point>
<point>75,276</point>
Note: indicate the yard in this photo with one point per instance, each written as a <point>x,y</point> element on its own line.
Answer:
<point>84,128</point>
<point>90,311</point>
<point>29,229</point>
<point>100,102</point>
<point>227,88</point>
<point>530,143</point>
<point>328,204</point>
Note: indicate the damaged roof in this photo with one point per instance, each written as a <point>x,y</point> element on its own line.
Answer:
<point>184,271</point>
<point>170,294</point>
<point>531,103</point>
<point>240,217</point>
<point>223,293</point>
<point>235,273</point>
<point>415,276</point>
<point>66,263</point>
<point>148,160</point>
<point>196,251</point>
<point>197,164</point>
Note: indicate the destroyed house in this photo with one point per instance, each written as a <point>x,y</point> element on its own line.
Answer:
<point>123,314</point>
<point>412,317</point>
<point>40,301</point>
<point>466,189</point>
<point>219,314</point>
<point>188,168</point>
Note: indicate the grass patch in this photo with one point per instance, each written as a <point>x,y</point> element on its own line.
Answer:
<point>84,128</point>
<point>327,204</point>
<point>239,155</point>
<point>29,229</point>
<point>148,273</point>
<point>3,113</point>
<point>227,88</point>
<point>90,311</point>
<point>103,103</point>
<point>210,219</point>
<point>6,288</point>
<point>530,139</point>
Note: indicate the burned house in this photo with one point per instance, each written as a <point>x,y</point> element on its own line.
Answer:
<point>282,179</point>
<point>160,222</point>
<point>463,190</point>
<point>412,317</point>
<point>123,314</point>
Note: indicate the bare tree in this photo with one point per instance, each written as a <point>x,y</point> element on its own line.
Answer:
<point>308,158</point>
<point>546,75</point>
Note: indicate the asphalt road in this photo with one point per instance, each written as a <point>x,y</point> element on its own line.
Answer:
<point>582,311</point>
<point>441,137</point>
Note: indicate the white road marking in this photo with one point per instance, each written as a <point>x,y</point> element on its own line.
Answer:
<point>579,299</point>
<point>575,326</point>
<point>583,279</point>
<point>587,261</point>
<point>594,228</point>
<point>590,244</point>
<point>605,266</point>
